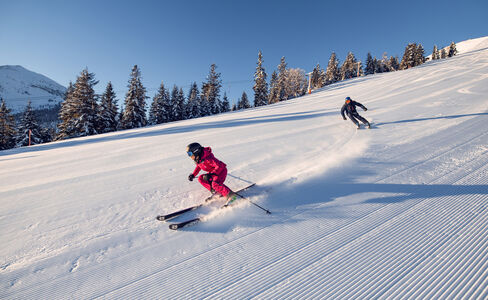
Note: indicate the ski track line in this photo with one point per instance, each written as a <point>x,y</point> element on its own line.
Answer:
<point>434,157</point>
<point>222,246</point>
<point>345,273</point>
<point>254,287</point>
<point>209,277</point>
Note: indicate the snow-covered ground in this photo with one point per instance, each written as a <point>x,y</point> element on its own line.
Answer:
<point>400,210</point>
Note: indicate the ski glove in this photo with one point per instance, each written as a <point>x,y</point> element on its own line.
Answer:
<point>365,109</point>
<point>191,177</point>
<point>344,118</point>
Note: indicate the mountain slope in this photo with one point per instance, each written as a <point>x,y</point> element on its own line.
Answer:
<point>398,210</point>
<point>19,85</point>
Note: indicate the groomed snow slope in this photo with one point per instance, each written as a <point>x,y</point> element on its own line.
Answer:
<point>398,211</point>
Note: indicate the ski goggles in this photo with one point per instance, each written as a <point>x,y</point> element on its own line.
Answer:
<point>189,153</point>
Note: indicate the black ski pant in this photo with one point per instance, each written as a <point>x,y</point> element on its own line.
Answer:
<point>355,117</point>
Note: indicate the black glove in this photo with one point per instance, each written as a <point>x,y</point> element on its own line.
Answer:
<point>191,177</point>
<point>344,118</point>
<point>365,109</point>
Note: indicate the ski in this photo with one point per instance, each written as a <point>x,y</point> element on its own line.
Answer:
<point>176,226</point>
<point>185,210</point>
<point>182,211</point>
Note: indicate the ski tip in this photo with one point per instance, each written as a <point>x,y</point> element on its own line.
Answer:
<point>160,218</point>
<point>173,226</point>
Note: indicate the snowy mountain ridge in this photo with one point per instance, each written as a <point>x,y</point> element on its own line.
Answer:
<point>19,85</point>
<point>397,211</point>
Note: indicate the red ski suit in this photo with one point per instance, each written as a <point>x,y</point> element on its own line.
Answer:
<point>216,168</point>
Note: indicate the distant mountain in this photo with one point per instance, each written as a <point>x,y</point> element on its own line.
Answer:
<point>19,85</point>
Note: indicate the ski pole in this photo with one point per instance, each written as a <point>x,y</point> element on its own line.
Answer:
<point>267,211</point>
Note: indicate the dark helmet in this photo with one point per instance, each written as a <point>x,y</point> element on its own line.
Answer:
<point>194,149</point>
<point>348,98</point>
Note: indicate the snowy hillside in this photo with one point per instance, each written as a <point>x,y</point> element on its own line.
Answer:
<point>19,85</point>
<point>397,211</point>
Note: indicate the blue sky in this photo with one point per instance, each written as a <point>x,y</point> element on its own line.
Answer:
<point>177,41</point>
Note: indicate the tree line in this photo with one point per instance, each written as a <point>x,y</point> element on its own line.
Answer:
<point>84,113</point>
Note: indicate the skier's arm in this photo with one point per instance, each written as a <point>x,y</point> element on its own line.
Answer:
<point>196,171</point>
<point>342,111</point>
<point>362,106</point>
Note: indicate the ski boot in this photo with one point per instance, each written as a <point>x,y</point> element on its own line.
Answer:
<point>231,197</point>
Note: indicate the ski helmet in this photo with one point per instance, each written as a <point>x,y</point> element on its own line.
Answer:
<point>194,149</point>
<point>348,98</point>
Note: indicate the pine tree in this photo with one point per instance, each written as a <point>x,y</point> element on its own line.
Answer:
<point>419,55</point>
<point>7,127</point>
<point>108,110</point>
<point>370,66</point>
<point>193,104</point>
<point>260,85</point>
<point>410,57</point>
<point>211,91</point>
<point>393,64</point>
<point>225,104</point>
<point>134,115</point>
<point>296,83</point>
<point>273,91</point>
<point>79,113</point>
<point>67,109</point>
<point>349,67</point>
<point>282,80</point>
<point>435,53</point>
<point>452,50</point>
<point>318,77</point>
<point>158,113</point>
<point>332,73</point>
<point>181,105</point>
<point>443,53</point>
<point>29,123</point>
<point>243,102</point>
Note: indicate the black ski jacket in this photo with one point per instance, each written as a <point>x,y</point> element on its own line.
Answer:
<point>350,108</point>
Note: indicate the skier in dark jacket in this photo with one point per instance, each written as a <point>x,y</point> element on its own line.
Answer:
<point>350,108</point>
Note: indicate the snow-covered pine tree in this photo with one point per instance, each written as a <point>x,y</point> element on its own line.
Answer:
<point>370,66</point>
<point>260,84</point>
<point>28,122</point>
<point>181,105</point>
<point>282,81</point>
<point>7,127</point>
<point>318,77</point>
<point>419,55</point>
<point>79,114</point>
<point>67,109</point>
<point>134,115</point>
<point>443,53</point>
<point>243,102</point>
<point>225,104</point>
<point>452,50</point>
<point>296,83</point>
<point>435,53</point>
<point>409,57</point>
<point>273,90</point>
<point>193,104</point>
<point>108,110</point>
<point>393,64</point>
<point>211,91</point>
<point>349,67</point>
<point>158,113</point>
<point>332,73</point>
